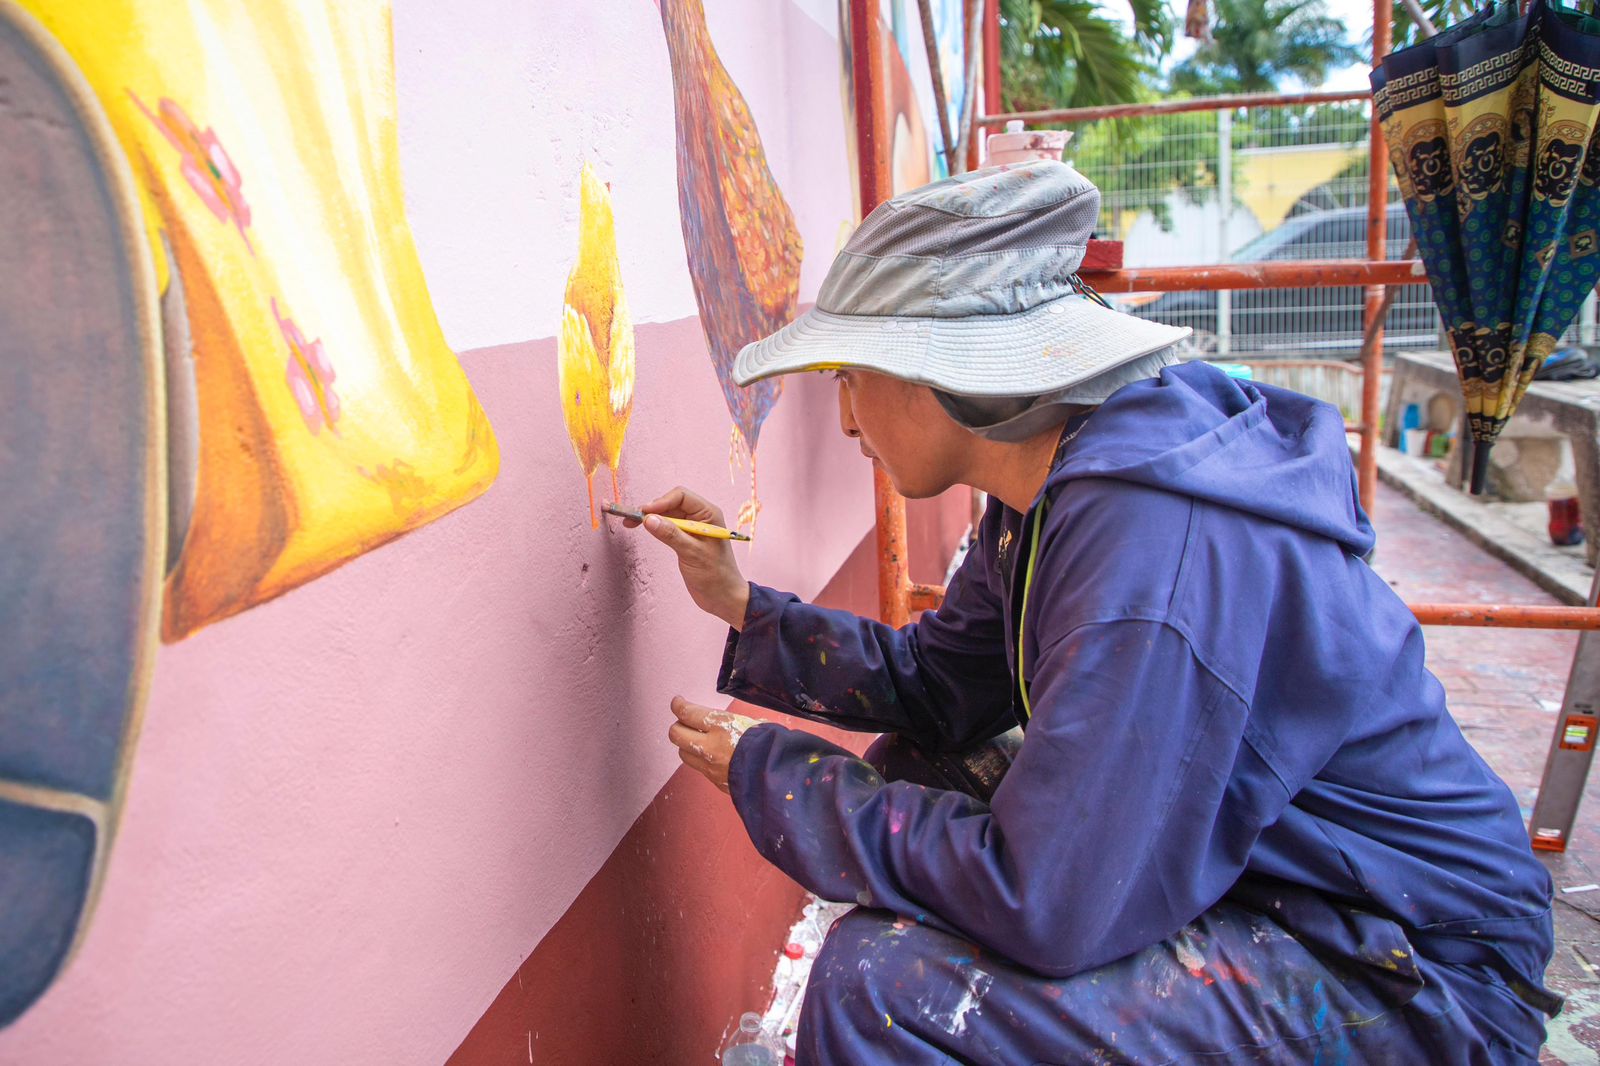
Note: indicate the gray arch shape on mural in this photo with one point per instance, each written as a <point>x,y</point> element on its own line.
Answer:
<point>84,513</point>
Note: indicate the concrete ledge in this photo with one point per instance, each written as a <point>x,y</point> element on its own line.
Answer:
<point>1561,574</point>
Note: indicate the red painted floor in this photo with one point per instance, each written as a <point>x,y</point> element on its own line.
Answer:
<point>1505,688</point>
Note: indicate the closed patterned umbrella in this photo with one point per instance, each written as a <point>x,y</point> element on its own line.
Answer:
<point>1491,131</point>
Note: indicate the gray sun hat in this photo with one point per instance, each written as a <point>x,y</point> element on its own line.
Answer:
<point>969,286</point>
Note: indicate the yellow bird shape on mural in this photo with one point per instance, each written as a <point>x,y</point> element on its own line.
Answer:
<point>595,360</point>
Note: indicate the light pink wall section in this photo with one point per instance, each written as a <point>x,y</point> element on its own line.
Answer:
<point>355,809</point>
<point>502,101</point>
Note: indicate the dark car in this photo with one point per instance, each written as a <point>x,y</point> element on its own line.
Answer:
<point>1312,321</point>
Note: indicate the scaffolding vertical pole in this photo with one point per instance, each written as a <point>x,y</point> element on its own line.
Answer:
<point>872,152</point>
<point>1377,248</point>
<point>1225,205</point>
<point>1566,767</point>
<point>989,11</point>
<point>992,97</point>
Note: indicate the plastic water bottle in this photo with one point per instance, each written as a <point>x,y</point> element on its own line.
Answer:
<point>750,1046</point>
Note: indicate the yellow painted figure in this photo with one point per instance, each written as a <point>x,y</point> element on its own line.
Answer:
<point>331,416</point>
<point>596,362</point>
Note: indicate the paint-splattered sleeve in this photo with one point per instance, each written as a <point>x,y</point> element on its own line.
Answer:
<point>1122,819</point>
<point>943,681</point>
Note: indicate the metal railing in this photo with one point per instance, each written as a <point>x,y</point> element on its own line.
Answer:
<point>1241,180</point>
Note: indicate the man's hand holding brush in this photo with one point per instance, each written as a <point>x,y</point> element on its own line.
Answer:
<point>706,563</point>
<point>705,737</point>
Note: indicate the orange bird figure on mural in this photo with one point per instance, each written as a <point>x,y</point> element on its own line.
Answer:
<point>738,231</point>
<point>595,359</point>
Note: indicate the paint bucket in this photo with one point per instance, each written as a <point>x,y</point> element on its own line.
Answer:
<point>1017,145</point>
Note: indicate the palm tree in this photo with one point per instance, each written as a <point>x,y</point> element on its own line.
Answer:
<point>1068,53</point>
<point>1442,13</point>
<point>1257,43</point>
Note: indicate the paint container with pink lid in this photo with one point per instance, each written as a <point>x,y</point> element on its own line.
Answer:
<point>1018,145</point>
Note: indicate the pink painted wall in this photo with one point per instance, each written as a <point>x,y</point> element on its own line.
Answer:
<point>355,809</point>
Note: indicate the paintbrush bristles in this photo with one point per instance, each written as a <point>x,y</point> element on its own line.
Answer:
<point>623,512</point>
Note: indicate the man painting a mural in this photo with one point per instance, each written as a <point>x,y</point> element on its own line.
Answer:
<point>1242,825</point>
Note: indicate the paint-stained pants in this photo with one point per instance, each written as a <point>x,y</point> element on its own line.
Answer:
<point>1234,987</point>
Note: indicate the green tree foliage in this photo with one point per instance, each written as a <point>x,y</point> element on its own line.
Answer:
<point>1139,163</point>
<point>1259,43</point>
<point>1292,127</point>
<point>1442,13</point>
<point>1067,53</point>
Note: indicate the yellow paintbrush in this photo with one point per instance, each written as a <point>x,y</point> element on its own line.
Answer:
<point>699,529</point>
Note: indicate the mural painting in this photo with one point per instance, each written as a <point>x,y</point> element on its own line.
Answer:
<point>595,366</point>
<point>223,378</point>
<point>915,155</point>
<point>743,246</point>
<point>950,41</point>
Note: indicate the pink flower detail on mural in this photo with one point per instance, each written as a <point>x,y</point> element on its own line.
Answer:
<point>310,375</point>
<point>206,164</point>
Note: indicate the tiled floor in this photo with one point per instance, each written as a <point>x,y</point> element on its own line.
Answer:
<point>1505,688</point>
<point>1518,530</point>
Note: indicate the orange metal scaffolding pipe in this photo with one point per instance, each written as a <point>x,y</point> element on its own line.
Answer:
<point>993,94</point>
<point>872,155</point>
<point>1176,107</point>
<point>1511,616</point>
<point>1506,615</point>
<point>992,98</point>
<point>1377,227</point>
<point>1309,273</point>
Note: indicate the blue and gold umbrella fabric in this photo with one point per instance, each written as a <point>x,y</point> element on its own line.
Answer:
<point>1491,130</point>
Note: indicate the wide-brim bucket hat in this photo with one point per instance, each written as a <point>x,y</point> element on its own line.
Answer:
<point>968,285</point>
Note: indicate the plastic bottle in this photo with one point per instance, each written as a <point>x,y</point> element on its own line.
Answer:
<point>750,1045</point>
<point>788,985</point>
<point>1411,419</point>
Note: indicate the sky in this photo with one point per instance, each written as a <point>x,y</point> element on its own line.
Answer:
<point>1356,15</point>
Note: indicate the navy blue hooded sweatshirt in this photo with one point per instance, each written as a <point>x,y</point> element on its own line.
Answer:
<point>1225,701</point>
